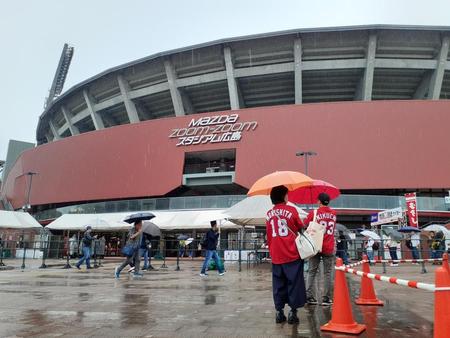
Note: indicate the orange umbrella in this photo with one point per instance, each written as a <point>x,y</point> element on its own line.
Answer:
<point>290,179</point>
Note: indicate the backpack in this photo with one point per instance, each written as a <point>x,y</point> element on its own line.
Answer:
<point>408,244</point>
<point>375,246</point>
<point>435,245</point>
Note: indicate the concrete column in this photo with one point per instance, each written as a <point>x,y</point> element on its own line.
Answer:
<point>174,93</point>
<point>424,85</point>
<point>73,128</point>
<point>49,137</point>
<point>298,70</point>
<point>438,74</point>
<point>187,104</point>
<point>54,130</point>
<point>233,90</point>
<point>367,84</point>
<point>96,118</point>
<point>129,104</point>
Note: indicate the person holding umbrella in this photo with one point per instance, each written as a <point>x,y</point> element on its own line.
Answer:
<point>282,225</point>
<point>87,242</point>
<point>325,216</point>
<point>131,248</point>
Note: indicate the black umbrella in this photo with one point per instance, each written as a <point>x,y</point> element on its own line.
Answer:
<point>139,216</point>
<point>409,229</point>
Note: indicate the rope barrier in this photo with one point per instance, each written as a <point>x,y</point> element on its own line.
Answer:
<point>406,260</point>
<point>392,280</point>
<point>356,264</point>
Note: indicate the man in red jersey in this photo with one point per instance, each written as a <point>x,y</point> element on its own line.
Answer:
<point>288,285</point>
<point>327,218</point>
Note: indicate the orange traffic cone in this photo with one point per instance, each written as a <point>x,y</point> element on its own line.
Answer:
<point>442,303</point>
<point>342,316</point>
<point>367,295</point>
<point>445,262</point>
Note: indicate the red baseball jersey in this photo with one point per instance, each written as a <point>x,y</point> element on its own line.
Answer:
<point>327,217</point>
<point>280,239</point>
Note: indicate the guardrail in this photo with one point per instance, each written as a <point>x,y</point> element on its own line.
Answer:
<point>342,317</point>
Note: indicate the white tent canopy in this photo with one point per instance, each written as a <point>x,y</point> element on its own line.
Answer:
<point>17,220</point>
<point>165,220</point>
<point>99,222</point>
<point>252,211</point>
<point>191,219</point>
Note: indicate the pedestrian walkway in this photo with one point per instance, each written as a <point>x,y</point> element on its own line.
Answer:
<point>169,303</point>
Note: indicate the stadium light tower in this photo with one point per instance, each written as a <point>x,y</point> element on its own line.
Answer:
<point>60,74</point>
<point>306,154</point>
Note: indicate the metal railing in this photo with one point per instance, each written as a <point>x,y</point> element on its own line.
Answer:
<point>231,250</point>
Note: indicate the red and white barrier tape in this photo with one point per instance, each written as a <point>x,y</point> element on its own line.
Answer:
<point>356,264</point>
<point>406,260</point>
<point>392,280</point>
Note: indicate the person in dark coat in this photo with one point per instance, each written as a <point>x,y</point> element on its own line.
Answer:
<point>210,246</point>
<point>87,243</point>
<point>342,247</point>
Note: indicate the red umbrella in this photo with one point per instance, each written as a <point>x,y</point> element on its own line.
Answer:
<point>309,194</point>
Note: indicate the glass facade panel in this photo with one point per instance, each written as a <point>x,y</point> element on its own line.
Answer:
<point>371,202</point>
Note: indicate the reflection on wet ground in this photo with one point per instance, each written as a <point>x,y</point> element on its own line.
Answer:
<point>168,303</point>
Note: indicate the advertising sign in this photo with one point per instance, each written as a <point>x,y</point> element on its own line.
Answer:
<point>411,209</point>
<point>212,129</point>
<point>387,216</point>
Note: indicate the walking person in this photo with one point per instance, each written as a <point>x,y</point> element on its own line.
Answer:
<point>391,243</point>
<point>87,243</point>
<point>210,246</point>
<point>143,250</point>
<point>133,243</point>
<point>327,218</point>
<point>415,245</point>
<point>288,285</point>
<point>438,246</point>
<point>369,246</point>
<point>342,247</point>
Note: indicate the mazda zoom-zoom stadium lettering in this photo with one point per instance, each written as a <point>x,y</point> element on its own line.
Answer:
<point>212,129</point>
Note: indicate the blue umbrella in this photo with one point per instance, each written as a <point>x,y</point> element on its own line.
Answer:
<point>409,229</point>
<point>139,216</point>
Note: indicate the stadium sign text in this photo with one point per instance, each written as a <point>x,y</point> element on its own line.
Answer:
<point>212,129</point>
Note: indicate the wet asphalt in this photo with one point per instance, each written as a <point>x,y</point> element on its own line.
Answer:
<point>166,303</point>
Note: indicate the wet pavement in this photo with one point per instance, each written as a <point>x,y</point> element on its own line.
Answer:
<point>168,303</point>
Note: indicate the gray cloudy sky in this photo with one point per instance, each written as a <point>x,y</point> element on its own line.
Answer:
<point>107,33</point>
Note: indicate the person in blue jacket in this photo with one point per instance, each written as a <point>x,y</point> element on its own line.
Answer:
<point>210,246</point>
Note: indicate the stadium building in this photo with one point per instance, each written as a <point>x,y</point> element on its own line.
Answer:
<point>195,127</point>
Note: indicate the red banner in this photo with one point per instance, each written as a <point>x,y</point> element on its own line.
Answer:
<point>411,209</point>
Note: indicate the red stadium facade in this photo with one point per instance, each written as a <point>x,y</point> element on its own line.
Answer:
<point>360,145</point>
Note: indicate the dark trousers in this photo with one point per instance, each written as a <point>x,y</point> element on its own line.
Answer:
<point>288,285</point>
<point>393,253</point>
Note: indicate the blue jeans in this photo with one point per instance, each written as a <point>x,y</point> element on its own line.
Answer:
<point>415,252</point>
<point>436,253</point>
<point>212,254</point>
<point>393,253</point>
<point>86,257</point>
<point>370,255</point>
<point>144,253</point>
<point>342,254</point>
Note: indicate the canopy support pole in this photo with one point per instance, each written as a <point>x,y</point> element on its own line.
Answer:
<point>24,250</point>
<point>44,250</point>
<point>67,266</point>
<point>164,266</point>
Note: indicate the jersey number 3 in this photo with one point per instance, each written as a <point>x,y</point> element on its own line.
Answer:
<point>282,226</point>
